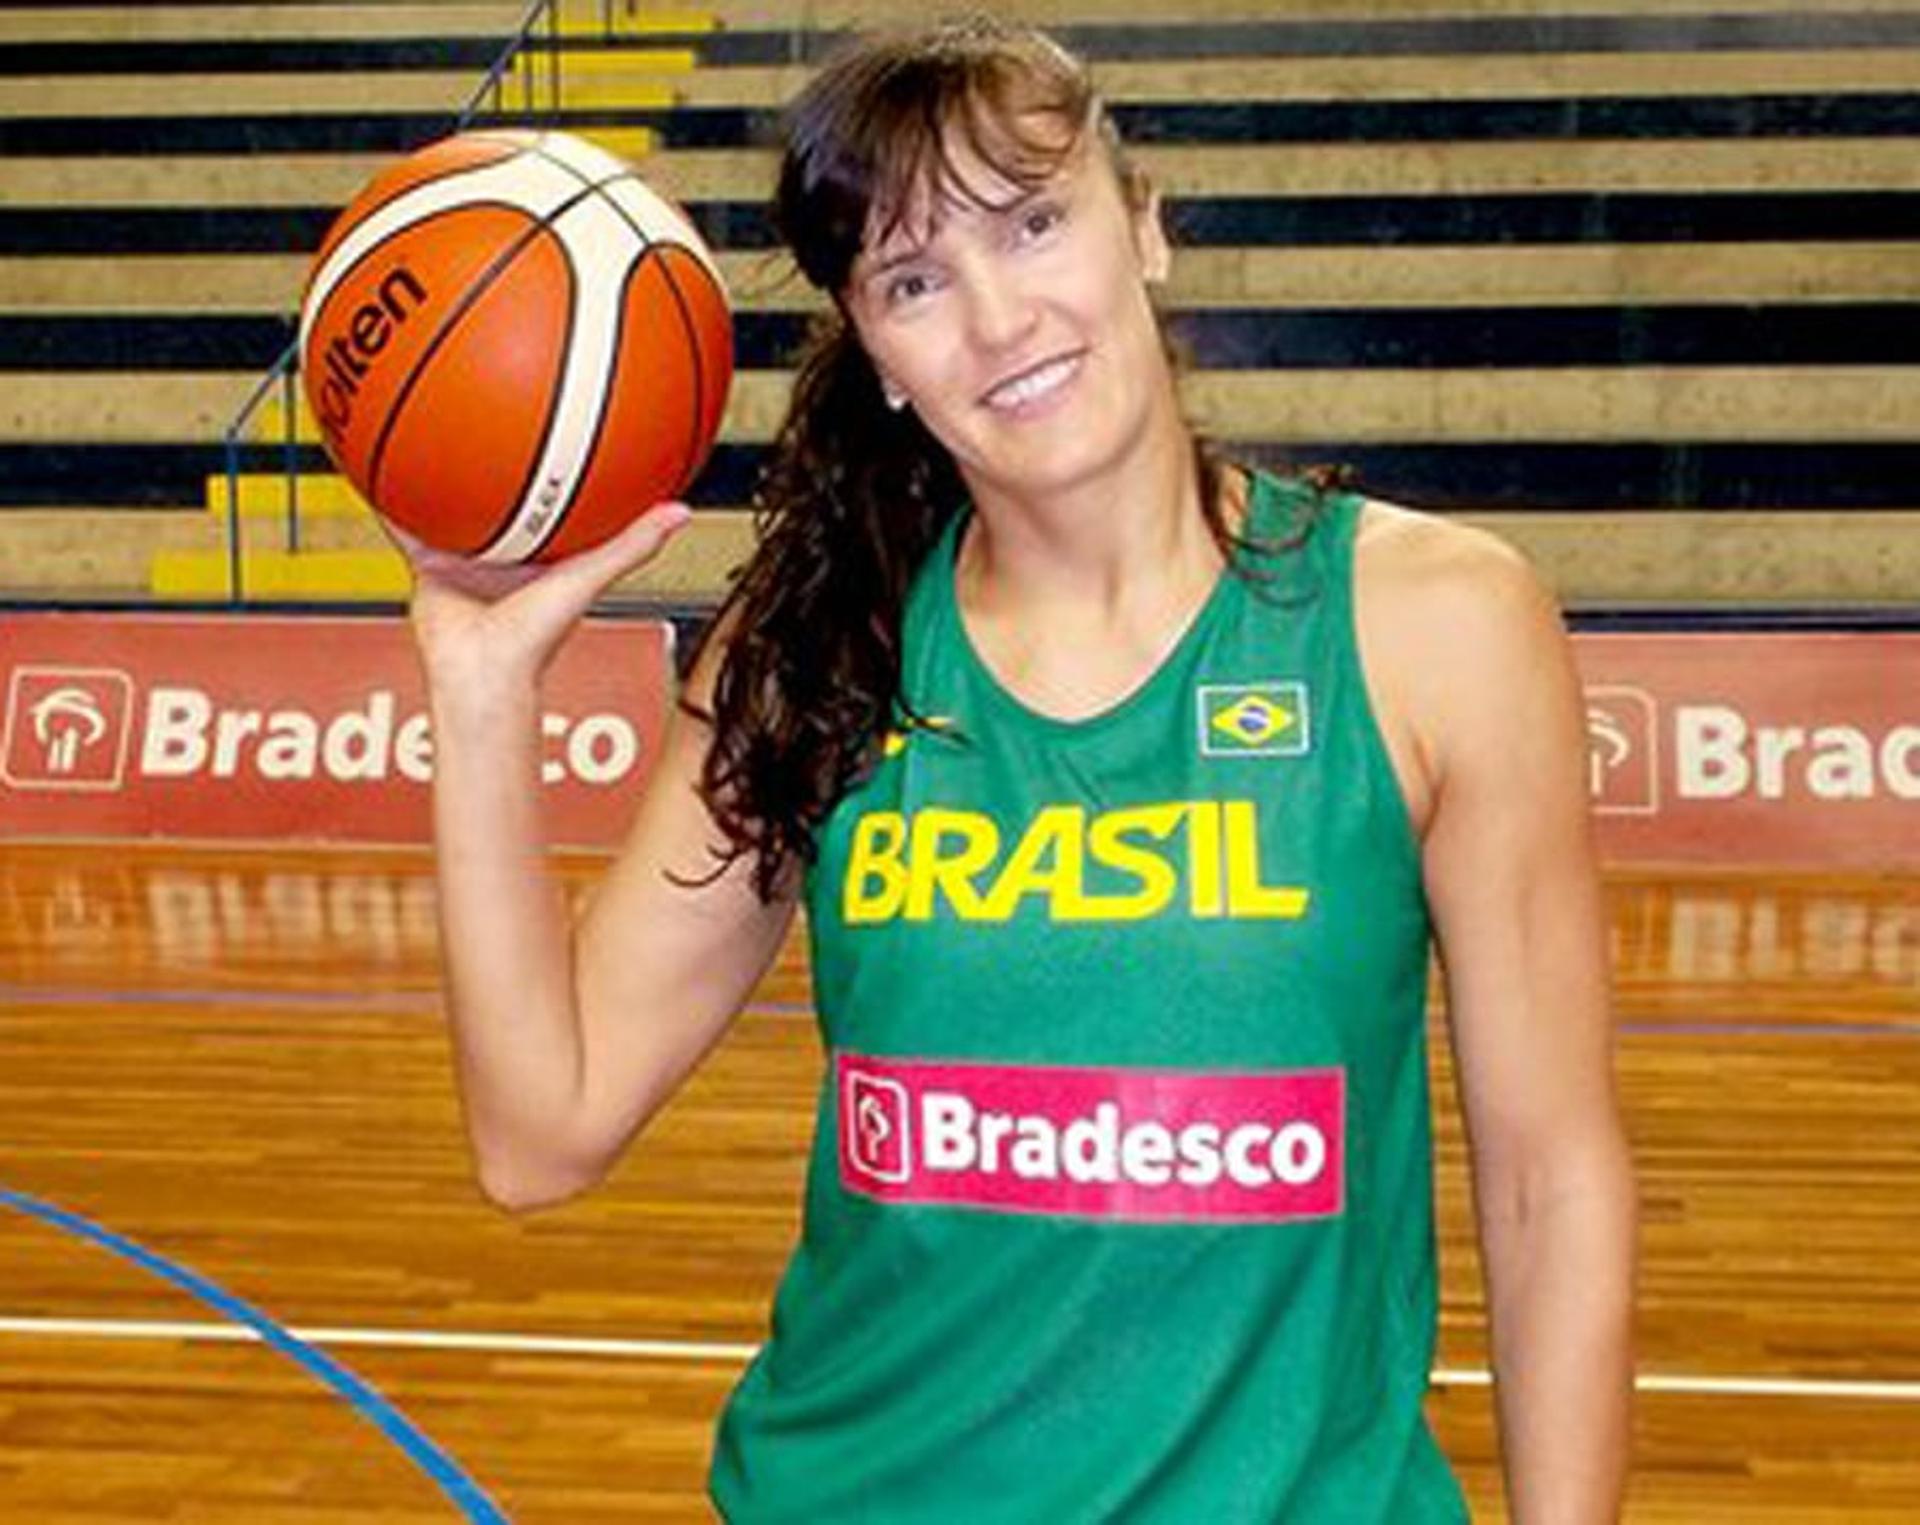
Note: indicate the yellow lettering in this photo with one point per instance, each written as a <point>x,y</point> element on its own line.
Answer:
<point>1203,857</point>
<point>930,869</point>
<point>902,868</point>
<point>877,841</point>
<point>1246,895</point>
<point>1059,832</point>
<point>1158,881</point>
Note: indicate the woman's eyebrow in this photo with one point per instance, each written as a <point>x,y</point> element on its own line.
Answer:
<point>894,261</point>
<point>1005,209</point>
<point>997,211</point>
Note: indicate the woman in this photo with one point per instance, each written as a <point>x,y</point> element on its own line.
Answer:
<point>1124,790</point>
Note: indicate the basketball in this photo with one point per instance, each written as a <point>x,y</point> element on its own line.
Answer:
<point>513,346</point>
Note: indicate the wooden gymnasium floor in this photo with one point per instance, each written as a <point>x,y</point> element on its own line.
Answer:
<point>235,1061</point>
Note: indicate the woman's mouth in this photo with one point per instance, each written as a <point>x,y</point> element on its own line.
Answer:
<point>1026,392</point>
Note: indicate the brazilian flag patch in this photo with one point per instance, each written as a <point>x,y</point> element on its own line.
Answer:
<point>1254,720</point>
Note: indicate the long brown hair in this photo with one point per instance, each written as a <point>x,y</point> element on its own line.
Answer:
<point>855,493</point>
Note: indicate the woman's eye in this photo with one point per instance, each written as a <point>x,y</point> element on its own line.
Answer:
<point>1040,220</point>
<point>906,288</point>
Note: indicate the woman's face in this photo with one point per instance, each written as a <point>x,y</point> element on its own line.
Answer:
<point>1021,332</point>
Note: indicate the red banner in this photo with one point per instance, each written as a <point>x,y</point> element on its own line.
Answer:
<point>269,728</point>
<point>1797,750</point>
<point>1789,750</point>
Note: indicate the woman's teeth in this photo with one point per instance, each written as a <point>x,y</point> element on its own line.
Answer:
<point>1024,389</point>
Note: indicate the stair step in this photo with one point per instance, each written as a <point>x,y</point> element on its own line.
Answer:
<point>631,91</point>
<point>588,18</point>
<point>635,62</point>
<point>373,576</point>
<point>264,495</point>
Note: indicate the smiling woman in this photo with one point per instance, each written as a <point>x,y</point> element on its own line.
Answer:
<point>1126,792</point>
<point>991,253</point>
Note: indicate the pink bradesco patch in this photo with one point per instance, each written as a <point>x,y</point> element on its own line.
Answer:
<point>1267,1146</point>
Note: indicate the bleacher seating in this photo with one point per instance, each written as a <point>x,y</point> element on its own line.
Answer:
<point>1636,289</point>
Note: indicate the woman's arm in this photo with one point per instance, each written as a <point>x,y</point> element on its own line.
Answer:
<point>1512,881</point>
<point>568,1038</point>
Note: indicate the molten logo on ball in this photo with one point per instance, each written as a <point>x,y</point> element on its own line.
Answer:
<point>349,355</point>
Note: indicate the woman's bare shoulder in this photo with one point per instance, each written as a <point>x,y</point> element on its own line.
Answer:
<point>1433,570</point>
<point>1400,541</point>
<point>1451,617</point>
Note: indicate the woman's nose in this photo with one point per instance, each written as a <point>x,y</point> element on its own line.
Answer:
<point>999,310</point>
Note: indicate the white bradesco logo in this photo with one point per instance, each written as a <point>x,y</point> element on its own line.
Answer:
<point>188,734</point>
<point>66,728</point>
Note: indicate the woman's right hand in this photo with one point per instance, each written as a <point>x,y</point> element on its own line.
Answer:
<point>477,622</point>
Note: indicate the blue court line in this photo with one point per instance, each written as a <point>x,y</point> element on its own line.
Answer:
<point>460,1488</point>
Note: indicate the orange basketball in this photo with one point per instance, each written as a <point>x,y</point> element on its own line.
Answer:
<point>513,347</point>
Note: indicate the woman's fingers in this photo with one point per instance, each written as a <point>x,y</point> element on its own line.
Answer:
<point>605,564</point>
<point>518,615</point>
<point>596,568</point>
<point>549,608</point>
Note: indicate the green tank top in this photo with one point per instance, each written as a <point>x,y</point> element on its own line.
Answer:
<point>1120,1199</point>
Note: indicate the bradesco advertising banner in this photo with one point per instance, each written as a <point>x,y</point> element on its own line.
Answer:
<point>1768,749</point>
<point>268,728</point>
<point>1786,749</point>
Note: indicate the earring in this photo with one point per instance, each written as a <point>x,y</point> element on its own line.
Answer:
<point>895,398</point>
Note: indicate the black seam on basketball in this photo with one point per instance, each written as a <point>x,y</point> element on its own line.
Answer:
<point>529,483</point>
<point>607,394</point>
<point>592,187</point>
<point>425,221</point>
<point>408,190</point>
<point>625,172</point>
<point>692,457</point>
<point>472,295</point>
<point>690,461</point>
<point>647,241</point>
<point>634,267</point>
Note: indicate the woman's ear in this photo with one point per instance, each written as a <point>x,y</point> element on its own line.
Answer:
<point>890,391</point>
<point>1150,239</point>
